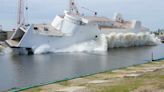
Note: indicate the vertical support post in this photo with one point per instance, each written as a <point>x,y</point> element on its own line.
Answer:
<point>20,13</point>
<point>70,5</point>
<point>152,56</point>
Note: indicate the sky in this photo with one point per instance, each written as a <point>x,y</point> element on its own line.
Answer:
<point>150,12</point>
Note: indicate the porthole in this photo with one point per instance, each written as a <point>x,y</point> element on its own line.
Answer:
<point>96,36</point>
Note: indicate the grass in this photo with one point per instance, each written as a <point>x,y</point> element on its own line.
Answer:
<point>155,79</point>
<point>124,86</point>
<point>34,90</point>
<point>65,83</point>
<point>149,82</point>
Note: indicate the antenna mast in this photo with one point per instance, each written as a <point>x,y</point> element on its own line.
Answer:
<point>20,14</point>
<point>72,7</point>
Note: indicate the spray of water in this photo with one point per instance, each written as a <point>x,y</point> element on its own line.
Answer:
<point>88,46</point>
<point>6,50</point>
<point>112,40</point>
<point>43,49</point>
<point>131,40</point>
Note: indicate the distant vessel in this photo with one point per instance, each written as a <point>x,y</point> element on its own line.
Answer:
<point>70,28</point>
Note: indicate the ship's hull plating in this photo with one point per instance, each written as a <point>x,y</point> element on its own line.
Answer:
<point>31,40</point>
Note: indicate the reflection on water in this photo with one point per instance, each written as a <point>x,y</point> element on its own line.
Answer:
<point>21,71</point>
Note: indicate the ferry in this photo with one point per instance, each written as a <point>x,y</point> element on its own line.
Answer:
<point>70,28</point>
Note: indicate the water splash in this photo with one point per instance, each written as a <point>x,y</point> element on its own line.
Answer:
<point>131,40</point>
<point>112,40</point>
<point>6,50</point>
<point>88,46</point>
<point>43,49</point>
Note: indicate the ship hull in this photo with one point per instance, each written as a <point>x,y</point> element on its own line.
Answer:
<point>30,40</point>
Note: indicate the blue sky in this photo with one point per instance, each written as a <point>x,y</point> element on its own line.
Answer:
<point>150,12</point>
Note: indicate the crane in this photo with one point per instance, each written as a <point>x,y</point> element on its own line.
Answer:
<point>95,13</point>
<point>73,8</point>
<point>21,12</point>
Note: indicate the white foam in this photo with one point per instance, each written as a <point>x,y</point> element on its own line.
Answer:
<point>6,50</point>
<point>43,49</point>
<point>88,46</point>
<point>112,40</point>
<point>131,39</point>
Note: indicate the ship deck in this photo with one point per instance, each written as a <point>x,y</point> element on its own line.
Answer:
<point>47,29</point>
<point>12,43</point>
<point>119,25</point>
<point>97,19</point>
<point>115,24</point>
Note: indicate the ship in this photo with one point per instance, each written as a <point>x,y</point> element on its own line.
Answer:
<point>70,28</point>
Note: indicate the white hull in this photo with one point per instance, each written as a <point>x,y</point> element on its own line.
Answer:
<point>34,40</point>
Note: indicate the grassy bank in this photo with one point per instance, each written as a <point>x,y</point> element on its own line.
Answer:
<point>141,78</point>
<point>150,82</point>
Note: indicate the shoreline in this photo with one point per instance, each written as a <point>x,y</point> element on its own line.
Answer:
<point>105,80</point>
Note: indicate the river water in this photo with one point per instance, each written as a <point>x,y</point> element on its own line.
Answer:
<point>22,71</point>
